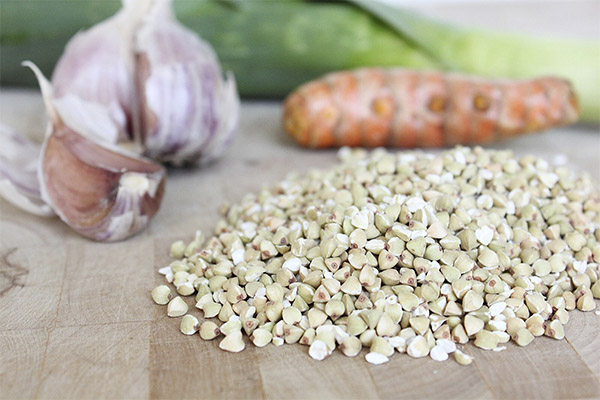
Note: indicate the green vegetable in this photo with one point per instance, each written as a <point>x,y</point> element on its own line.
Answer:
<point>273,46</point>
<point>495,54</point>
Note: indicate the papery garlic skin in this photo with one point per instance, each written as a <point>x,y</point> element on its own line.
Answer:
<point>158,83</point>
<point>99,189</point>
<point>188,112</point>
<point>86,184</point>
<point>98,66</point>
<point>19,184</point>
<point>140,75</point>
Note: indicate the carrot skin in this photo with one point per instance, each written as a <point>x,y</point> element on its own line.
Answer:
<point>486,105</point>
<point>403,85</point>
<point>343,89</point>
<point>374,107</point>
<point>537,107</point>
<point>512,111</point>
<point>458,118</point>
<point>433,100</point>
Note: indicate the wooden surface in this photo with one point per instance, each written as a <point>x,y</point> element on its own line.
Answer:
<point>77,320</point>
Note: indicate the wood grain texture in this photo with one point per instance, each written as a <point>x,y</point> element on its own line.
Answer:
<point>100,360</point>
<point>22,354</point>
<point>545,368</point>
<point>583,333</point>
<point>31,280</point>
<point>77,320</point>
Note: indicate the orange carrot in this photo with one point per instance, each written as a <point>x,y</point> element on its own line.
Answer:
<point>373,107</point>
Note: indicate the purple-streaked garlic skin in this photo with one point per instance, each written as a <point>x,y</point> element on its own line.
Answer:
<point>101,192</point>
<point>228,114</point>
<point>138,77</point>
<point>188,112</point>
<point>97,66</point>
<point>18,161</point>
<point>18,172</point>
<point>159,83</point>
<point>99,189</point>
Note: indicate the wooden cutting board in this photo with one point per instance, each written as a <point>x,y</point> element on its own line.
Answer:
<point>77,320</point>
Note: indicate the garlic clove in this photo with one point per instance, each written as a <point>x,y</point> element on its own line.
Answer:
<point>87,118</point>
<point>97,66</point>
<point>101,193</point>
<point>227,116</point>
<point>100,190</point>
<point>188,112</point>
<point>19,183</point>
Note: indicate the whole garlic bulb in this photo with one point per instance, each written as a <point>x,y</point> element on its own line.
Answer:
<point>160,83</point>
<point>97,66</point>
<point>187,111</point>
<point>138,76</point>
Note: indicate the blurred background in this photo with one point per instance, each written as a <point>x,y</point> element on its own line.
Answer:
<point>568,18</point>
<point>273,46</point>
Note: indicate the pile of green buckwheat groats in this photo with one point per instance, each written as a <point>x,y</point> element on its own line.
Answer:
<point>410,252</point>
